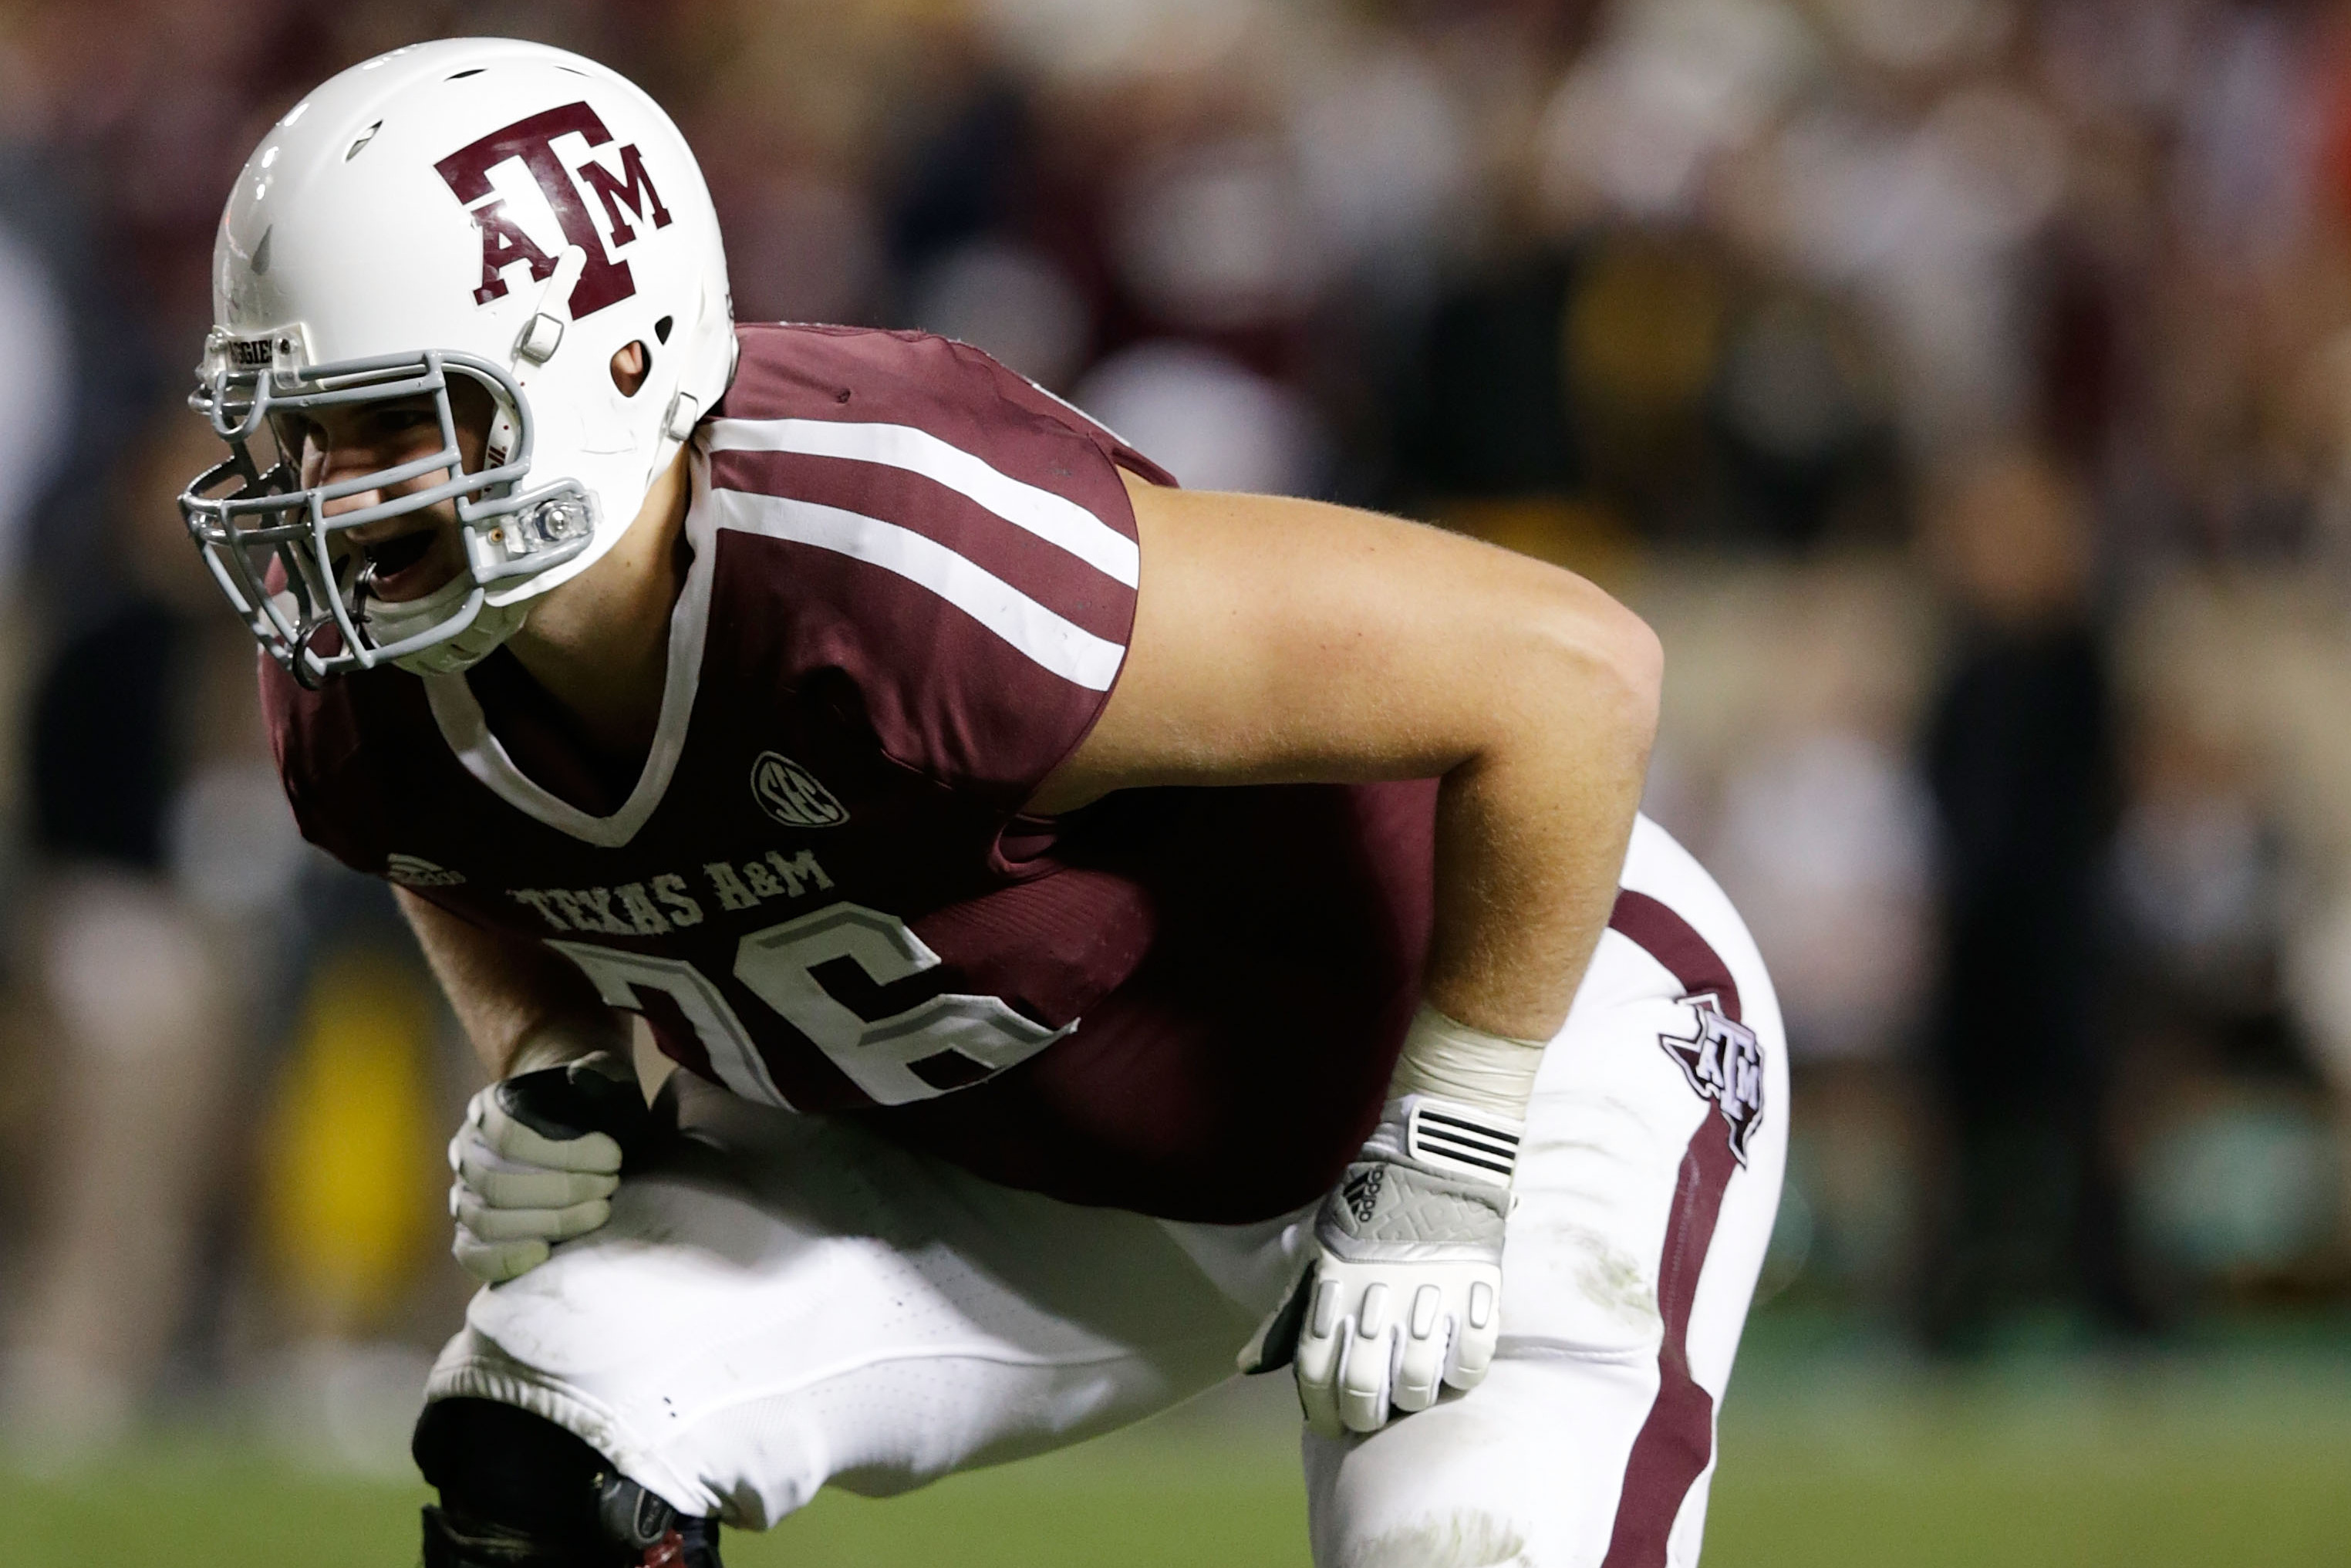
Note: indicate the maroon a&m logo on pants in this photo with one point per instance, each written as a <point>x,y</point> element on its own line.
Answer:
<point>604,280</point>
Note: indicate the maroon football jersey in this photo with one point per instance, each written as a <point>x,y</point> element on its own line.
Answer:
<point>913,579</point>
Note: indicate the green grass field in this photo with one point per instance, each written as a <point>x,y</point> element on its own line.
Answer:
<point>1830,1459</point>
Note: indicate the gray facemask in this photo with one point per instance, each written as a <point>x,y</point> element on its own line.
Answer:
<point>275,553</point>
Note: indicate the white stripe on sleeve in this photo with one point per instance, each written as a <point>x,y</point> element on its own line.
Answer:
<point>1068,650</point>
<point>1056,519</point>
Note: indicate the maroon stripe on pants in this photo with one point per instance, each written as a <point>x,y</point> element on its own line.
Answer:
<point>1675,943</point>
<point>1678,1439</point>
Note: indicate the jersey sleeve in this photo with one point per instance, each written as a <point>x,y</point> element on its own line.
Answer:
<point>951,543</point>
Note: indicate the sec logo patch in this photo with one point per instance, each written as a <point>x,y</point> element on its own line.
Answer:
<point>792,795</point>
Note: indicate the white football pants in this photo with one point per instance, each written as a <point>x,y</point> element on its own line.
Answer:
<point>791,1303</point>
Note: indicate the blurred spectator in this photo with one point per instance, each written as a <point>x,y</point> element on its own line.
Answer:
<point>1822,840</point>
<point>2235,1179</point>
<point>2020,756</point>
<point>164,849</point>
<point>36,398</point>
<point>1213,423</point>
<point>1010,302</point>
<point>2200,882</point>
<point>166,884</point>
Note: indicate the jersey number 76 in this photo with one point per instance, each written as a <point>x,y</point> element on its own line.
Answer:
<point>947,1042</point>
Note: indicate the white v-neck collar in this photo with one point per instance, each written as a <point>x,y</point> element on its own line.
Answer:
<point>459,714</point>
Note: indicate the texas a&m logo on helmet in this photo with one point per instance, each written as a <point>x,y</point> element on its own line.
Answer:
<point>625,192</point>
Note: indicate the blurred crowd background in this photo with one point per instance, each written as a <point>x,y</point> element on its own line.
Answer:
<point>1962,387</point>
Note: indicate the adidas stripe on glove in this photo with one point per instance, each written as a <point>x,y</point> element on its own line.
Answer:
<point>537,1162</point>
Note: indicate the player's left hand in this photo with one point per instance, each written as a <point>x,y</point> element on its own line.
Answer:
<point>537,1161</point>
<point>1405,1299</point>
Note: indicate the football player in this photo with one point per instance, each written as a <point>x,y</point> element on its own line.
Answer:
<point>1105,932</point>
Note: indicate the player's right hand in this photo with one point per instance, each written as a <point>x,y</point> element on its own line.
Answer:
<point>537,1161</point>
<point>1402,1297</point>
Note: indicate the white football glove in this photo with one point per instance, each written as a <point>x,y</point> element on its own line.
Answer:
<point>537,1161</point>
<point>1405,1299</point>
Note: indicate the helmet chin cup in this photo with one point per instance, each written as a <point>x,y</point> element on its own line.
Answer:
<point>483,633</point>
<point>469,209</point>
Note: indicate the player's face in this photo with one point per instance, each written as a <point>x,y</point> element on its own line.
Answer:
<point>408,556</point>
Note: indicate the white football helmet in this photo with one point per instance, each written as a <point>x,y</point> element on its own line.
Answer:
<point>478,208</point>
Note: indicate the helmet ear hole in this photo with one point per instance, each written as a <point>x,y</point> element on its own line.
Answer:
<point>661,328</point>
<point>632,364</point>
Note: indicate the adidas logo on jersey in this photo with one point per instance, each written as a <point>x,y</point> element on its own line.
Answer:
<point>415,870</point>
<point>791,794</point>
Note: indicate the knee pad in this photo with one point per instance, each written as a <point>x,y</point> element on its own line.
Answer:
<point>519,1491</point>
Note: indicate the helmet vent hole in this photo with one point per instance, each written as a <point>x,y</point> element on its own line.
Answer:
<point>461,76</point>
<point>359,144</point>
<point>631,366</point>
<point>661,330</point>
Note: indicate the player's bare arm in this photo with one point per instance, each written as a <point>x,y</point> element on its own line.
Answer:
<point>522,1006</point>
<point>1283,641</point>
